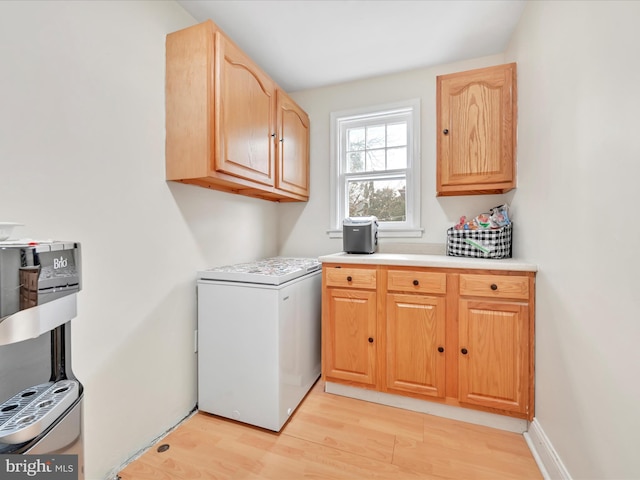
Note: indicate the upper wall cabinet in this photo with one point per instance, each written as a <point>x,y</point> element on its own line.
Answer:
<point>476,138</point>
<point>229,126</point>
<point>293,144</point>
<point>245,110</point>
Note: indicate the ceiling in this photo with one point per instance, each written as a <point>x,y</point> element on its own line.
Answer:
<point>305,44</point>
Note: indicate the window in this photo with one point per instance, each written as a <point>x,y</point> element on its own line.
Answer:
<point>375,167</point>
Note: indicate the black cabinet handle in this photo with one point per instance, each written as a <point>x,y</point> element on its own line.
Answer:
<point>464,351</point>
<point>273,135</point>
<point>349,278</point>
<point>494,286</point>
<point>370,340</point>
<point>446,131</point>
<point>441,349</point>
<point>416,283</point>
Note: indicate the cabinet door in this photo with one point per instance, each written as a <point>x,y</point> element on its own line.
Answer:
<point>415,344</point>
<point>293,147</point>
<point>244,116</point>
<point>493,361</point>
<point>476,131</point>
<point>349,336</point>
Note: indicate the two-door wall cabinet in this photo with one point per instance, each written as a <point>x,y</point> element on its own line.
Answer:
<point>229,126</point>
<point>461,337</point>
<point>476,131</point>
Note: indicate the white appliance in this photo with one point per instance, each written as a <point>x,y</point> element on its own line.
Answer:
<point>258,339</point>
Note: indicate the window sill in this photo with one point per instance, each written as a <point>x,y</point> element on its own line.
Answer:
<point>388,233</point>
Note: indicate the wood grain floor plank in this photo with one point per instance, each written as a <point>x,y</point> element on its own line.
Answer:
<point>355,439</point>
<point>336,438</point>
<point>350,411</point>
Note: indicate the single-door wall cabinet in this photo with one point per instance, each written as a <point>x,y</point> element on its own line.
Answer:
<point>476,131</point>
<point>228,125</point>
<point>461,337</point>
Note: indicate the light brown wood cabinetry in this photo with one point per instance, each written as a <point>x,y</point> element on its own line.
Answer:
<point>293,145</point>
<point>228,125</point>
<point>349,329</point>
<point>495,341</point>
<point>476,131</point>
<point>494,361</point>
<point>455,336</point>
<point>245,123</point>
<point>415,332</point>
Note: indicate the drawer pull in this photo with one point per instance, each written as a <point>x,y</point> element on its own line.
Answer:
<point>370,340</point>
<point>349,278</point>
<point>416,283</point>
<point>441,349</point>
<point>494,286</point>
<point>464,351</point>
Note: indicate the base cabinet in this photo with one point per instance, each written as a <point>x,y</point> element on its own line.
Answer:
<point>349,325</point>
<point>415,338</point>
<point>494,362</point>
<point>351,350</point>
<point>459,337</point>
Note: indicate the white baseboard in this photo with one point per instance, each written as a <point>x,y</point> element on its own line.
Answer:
<point>545,455</point>
<point>477,417</point>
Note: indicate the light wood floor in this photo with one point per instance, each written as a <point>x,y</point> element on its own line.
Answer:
<point>333,437</point>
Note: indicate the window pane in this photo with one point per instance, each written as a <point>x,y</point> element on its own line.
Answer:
<point>383,198</point>
<point>397,158</point>
<point>375,136</point>
<point>355,139</point>
<point>375,160</point>
<point>396,134</point>
<point>356,162</point>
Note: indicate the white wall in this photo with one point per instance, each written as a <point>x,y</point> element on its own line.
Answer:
<point>82,158</point>
<point>575,209</point>
<point>577,202</point>
<point>303,227</point>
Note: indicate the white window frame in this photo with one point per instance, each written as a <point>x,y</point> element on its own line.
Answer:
<point>338,196</point>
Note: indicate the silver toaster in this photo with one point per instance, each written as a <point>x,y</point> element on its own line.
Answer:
<point>360,234</point>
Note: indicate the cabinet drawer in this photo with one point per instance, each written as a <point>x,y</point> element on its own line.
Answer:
<point>499,286</point>
<point>350,277</point>
<point>418,282</point>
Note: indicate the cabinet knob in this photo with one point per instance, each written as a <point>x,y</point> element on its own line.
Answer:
<point>446,131</point>
<point>349,278</point>
<point>370,339</point>
<point>441,349</point>
<point>494,286</point>
<point>273,135</point>
<point>464,351</point>
<point>281,140</point>
<point>416,283</point>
